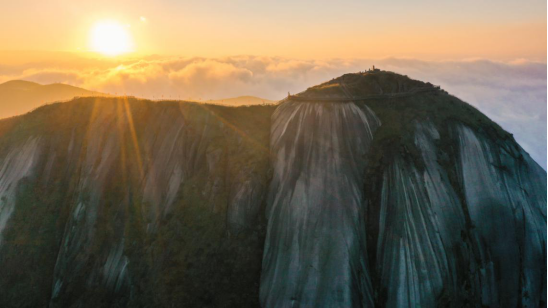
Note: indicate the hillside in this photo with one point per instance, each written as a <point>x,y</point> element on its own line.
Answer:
<point>18,96</point>
<point>370,190</point>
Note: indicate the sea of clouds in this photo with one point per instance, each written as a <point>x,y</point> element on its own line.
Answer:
<point>511,93</point>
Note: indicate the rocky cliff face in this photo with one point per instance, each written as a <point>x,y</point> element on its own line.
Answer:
<point>473,242</point>
<point>315,250</point>
<point>133,203</point>
<point>371,190</point>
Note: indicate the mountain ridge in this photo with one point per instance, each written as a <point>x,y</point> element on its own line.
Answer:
<point>240,101</point>
<point>25,96</point>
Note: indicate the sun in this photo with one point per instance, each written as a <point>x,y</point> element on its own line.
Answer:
<point>110,38</point>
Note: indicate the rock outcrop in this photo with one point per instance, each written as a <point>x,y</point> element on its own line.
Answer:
<point>370,190</point>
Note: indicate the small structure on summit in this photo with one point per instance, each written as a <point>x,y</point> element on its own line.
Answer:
<point>373,69</point>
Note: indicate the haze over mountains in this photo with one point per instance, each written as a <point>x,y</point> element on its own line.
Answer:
<point>513,93</point>
<point>19,96</point>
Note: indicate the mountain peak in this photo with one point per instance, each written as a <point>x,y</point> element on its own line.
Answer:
<point>20,84</point>
<point>366,83</point>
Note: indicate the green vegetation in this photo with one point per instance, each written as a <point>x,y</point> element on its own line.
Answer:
<point>395,137</point>
<point>200,265</point>
<point>364,84</point>
<point>399,115</point>
<point>184,257</point>
<point>29,248</point>
<point>32,238</point>
<point>328,89</point>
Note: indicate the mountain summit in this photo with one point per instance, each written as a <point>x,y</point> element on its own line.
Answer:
<point>363,84</point>
<point>369,190</point>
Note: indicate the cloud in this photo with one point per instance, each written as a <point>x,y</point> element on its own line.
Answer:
<point>511,93</point>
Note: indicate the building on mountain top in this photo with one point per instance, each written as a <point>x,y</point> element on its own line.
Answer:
<point>373,69</point>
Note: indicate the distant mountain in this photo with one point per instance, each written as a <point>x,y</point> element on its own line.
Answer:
<point>19,96</point>
<point>242,101</point>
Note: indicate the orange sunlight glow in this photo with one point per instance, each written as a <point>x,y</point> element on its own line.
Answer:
<point>110,38</point>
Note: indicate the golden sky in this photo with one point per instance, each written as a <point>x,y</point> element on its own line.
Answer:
<point>426,29</point>
<point>492,53</point>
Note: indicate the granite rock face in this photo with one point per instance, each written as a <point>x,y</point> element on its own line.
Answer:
<point>421,220</point>
<point>453,209</point>
<point>432,241</point>
<point>18,163</point>
<point>405,197</point>
<point>315,251</point>
<point>504,190</point>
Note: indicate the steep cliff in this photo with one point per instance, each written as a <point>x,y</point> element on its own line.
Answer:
<point>452,211</point>
<point>315,251</point>
<point>370,190</point>
<point>116,202</point>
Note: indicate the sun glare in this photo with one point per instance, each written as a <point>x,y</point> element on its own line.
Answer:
<point>110,38</point>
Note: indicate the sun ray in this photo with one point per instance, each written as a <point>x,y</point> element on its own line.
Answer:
<point>133,136</point>
<point>119,123</point>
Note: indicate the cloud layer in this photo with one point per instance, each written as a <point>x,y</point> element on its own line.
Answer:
<point>511,93</point>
